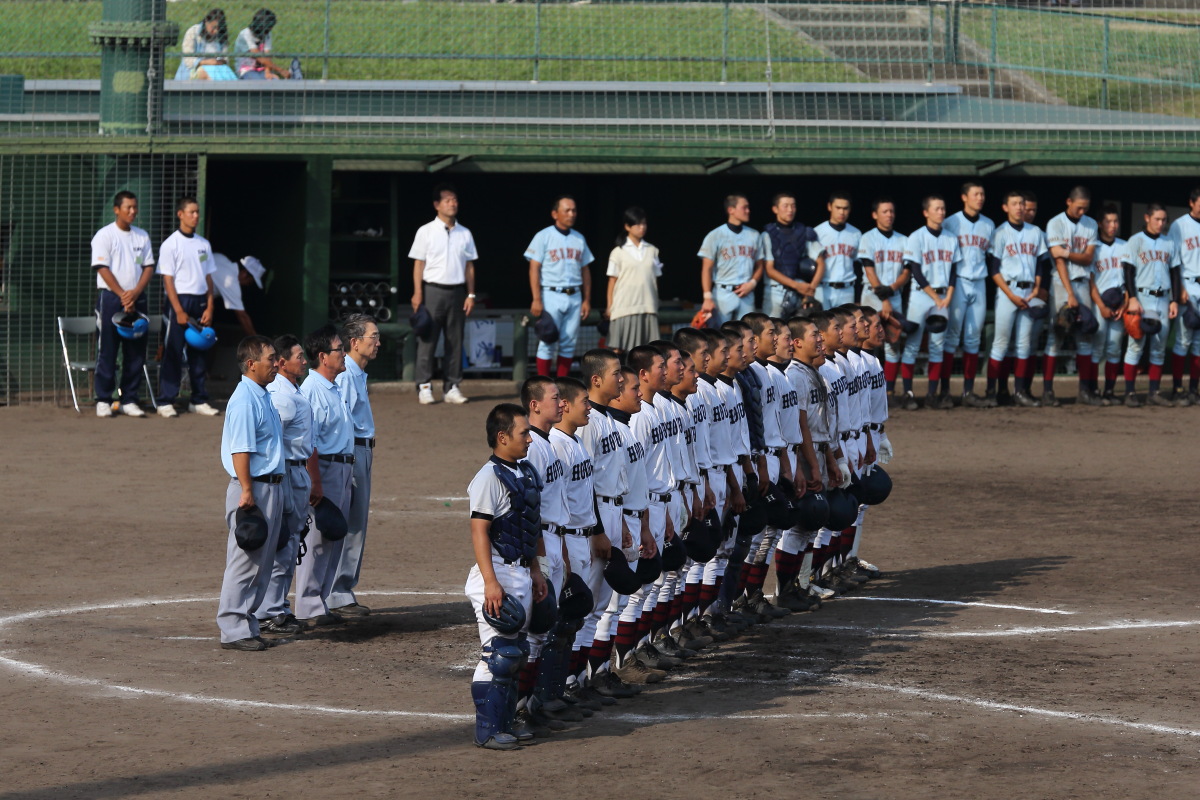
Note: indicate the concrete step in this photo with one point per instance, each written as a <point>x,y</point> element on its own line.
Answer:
<point>867,52</point>
<point>887,32</point>
<point>942,73</point>
<point>843,13</point>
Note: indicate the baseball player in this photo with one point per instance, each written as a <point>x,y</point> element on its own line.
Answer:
<point>361,337</point>
<point>295,414</point>
<point>185,260</point>
<point>792,256</point>
<point>968,308</point>
<point>1072,239</point>
<point>1185,232</point>
<point>252,454</point>
<point>124,264</point>
<point>560,281</point>
<point>840,241</point>
<point>1108,279</point>
<point>1044,269</point>
<point>838,385</point>
<point>505,530</point>
<point>933,256</point>
<point>333,437</point>
<point>885,276</point>
<point>873,400</point>
<point>730,263</point>
<point>1017,249</point>
<point>1154,284</point>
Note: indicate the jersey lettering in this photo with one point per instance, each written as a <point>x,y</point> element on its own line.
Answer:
<point>581,471</point>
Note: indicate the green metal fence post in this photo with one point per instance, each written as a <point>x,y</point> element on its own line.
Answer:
<point>1104,69</point>
<point>132,35</point>
<point>325,64</point>
<point>929,43</point>
<point>992,60</point>
<point>537,41</point>
<point>520,350</point>
<point>725,45</point>
<point>953,24</point>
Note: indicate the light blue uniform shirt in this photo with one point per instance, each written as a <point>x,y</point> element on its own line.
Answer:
<point>333,430</point>
<point>733,254</point>
<point>562,257</point>
<point>974,239</point>
<point>1077,237</point>
<point>1106,266</point>
<point>1185,232</point>
<point>1018,250</point>
<point>296,415</point>
<point>934,253</point>
<point>252,426</point>
<point>353,387</point>
<point>1152,258</point>
<point>841,251</point>
<point>883,253</point>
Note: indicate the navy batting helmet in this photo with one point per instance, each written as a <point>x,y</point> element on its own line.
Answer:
<point>250,528</point>
<point>936,323</point>
<point>620,577</point>
<point>329,520</point>
<point>873,488</point>
<point>545,611</point>
<point>701,538</point>
<point>511,617</point>
<point>843,509</point>
<point>575,601</point>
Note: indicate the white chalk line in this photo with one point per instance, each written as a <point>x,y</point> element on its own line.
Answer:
<point>1119,625</point>
<point>956,603</point>
<point>447,499</point>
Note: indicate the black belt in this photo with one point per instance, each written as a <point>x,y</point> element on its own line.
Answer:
<point>682,485</point>
<point>295,462</point>
<point>661,498</point>
<point>446,285</point>
<point>271,479</point>
<point>579,531</point>
<point>876,426</point>
<point>940,291</point>
<point>823,447</point>
<point>635,514</point>
<point>551,528</point>
<point>567,290</point>
<point>778,451</point>
<point>338,459</point>
<point>616,501</point>
<point>361,442</point>
<point>730,286</point>
<point>703,471</point>
<point>1153,292</point>
<point>524,562</point>
<point>796,448</point>
<point>1079,280</point>
<point>839,285</point>
<point>846,436</point>
<point>1021,284</point>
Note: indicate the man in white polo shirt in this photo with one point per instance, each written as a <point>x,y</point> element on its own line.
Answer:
<point>443,255</point>
<point>123,263</point>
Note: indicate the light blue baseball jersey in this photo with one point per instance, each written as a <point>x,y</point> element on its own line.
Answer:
<point>1018,250</point>
<point>974,237</point>
<point>883,252</point>
<point>296,416</point>
<point>562,256</point>
<point>1152,258</point>
<point>252,426</point>
<point>1185,232</point>
<point>1076,236</point>
<point>1106,266</point>
<point>733,252</point>
<point>841,251</point>
<point>935,253</point>
<point>333,430</point>
<point>352,385</point>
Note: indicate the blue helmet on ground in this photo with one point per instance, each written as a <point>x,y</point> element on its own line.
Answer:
<point>509,619</point>
<point>545,611</point>
<point>131,324</point>
<point>201,338</point>
<point>545,329</point>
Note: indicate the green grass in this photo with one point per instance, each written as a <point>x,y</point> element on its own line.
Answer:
<point>1074,42</point>
<point>616,42</point>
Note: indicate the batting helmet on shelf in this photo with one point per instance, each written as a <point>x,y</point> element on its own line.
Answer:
<point>509,619</point>
<point>131,324</point>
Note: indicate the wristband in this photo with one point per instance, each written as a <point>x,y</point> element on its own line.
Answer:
<point>544,564</point>
<point>470,297</point>
<point>708,295</point>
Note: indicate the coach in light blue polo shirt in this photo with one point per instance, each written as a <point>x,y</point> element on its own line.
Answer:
<point>252,454</point>
<point>730,264</point>
<point>361,337</point>
<point>333,435</point>
<point>561,282</point>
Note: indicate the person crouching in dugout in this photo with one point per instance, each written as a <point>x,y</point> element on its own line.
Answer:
<point>506,579</point>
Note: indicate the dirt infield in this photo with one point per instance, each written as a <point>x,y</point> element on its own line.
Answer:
<point>1062,663</point>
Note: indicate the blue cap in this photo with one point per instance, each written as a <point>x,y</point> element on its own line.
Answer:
<point>546,330</point>
<point>1113,298</point>
<point>421,322</point>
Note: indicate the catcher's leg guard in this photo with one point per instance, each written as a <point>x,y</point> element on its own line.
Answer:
<point>493,709</point>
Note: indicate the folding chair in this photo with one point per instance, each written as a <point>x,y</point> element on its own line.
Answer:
<point>78,326</point>
<point>154,331</point>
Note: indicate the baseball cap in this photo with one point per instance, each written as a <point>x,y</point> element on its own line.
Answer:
<point>255,268</point>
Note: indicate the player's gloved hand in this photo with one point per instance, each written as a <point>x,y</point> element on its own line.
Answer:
<point>844,469</point>
<point>544,564</point>
<point>884,450</point>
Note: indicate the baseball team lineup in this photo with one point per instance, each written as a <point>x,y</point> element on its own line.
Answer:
<point>629,518</point>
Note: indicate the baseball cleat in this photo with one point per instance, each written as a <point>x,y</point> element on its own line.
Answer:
<point>608,685</point>
<point>1132,401</point>
<point>132,410</point>
<point>521,729</point>
<point>589,692</point>
<point>583,702</point>
<point>650,656</point>
<point>569,714</point>
<point>321,621</point>
<point>1023,398</point>
<point>425,395</point>
<point>694,643</point>
<point>104,409</point>
<point>1109,399</point>
<point>1181,398</point>
<point>167,411</point>
<point>1004,398</point>
<point>455,397</point>
<point>501,741</point>
<point>352,610</point>
<point>990,401</point>
<point>282,625</point>
<point>1049,400</point>
<point>869,568</point>
<point>909,402</point>
<point>527,722</point>
<point>820,592</point>
<point>250,645</point>
<point>972,400</point>
<point>945,401</point>
<point>1159,399</point>
<point>203,409</point>
<point>1089,398</point>
<point>634,672</point>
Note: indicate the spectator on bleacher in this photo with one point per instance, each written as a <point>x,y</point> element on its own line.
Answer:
<point>256,39</point>
<point>207,37</point>
<point>633,273</point>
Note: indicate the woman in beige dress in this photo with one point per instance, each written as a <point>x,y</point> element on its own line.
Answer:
<point>633,272</point>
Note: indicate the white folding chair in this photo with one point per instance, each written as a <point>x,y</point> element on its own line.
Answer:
<point>153,332</point>
<point>78,326</point>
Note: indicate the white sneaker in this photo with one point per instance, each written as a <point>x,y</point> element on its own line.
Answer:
<point>167,411</point>
<point>203,409</point>
<point>455,396</point>
<point>820,592</point>
<point>103,409</point>
<point>425,397</point>
<point>132,410</point>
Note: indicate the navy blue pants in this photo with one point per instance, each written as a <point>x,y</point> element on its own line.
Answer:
<point>133,352</point>
<point>170,373</point>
